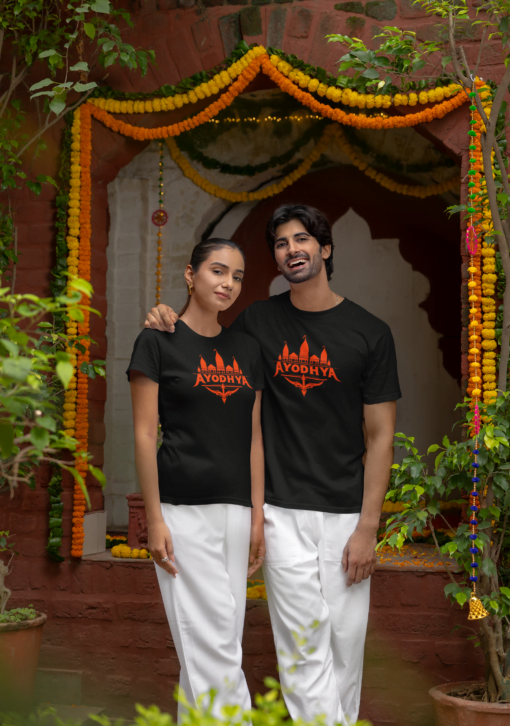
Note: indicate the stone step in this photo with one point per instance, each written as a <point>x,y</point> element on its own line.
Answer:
<point>57,685</point>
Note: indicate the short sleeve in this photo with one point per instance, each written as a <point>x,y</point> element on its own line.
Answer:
<point>146,356</point>
<point>380,382</point>
<point>239,324</point>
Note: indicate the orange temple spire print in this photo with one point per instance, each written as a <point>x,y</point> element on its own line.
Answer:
<point>305,371</point>
<point>219,379</point>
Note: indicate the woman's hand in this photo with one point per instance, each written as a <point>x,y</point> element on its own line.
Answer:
<point>257,544</point>
<point>161,547</point>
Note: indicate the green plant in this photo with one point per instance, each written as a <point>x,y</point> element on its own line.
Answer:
<point>66,40</point>
<point>402,62</point>
<point>35,369</point>
<point>18,615</point>
<point>269,710</point>
<point>420,491</point>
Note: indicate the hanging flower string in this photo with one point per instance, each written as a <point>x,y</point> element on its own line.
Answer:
<point>476,609</point>
<point>262,62</point>
<point>159,218</point>
<point>332,133</point>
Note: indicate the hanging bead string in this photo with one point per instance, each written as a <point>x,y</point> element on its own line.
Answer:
<point>161,204</point>
<point>476,609</point>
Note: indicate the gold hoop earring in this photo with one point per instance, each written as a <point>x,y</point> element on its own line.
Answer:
<point>190,290</point>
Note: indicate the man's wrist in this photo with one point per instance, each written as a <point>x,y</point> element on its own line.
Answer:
<point>368,525</point>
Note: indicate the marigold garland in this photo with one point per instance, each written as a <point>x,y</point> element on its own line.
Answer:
<point>350,97</point>
<point>270,191</point>
<point>358,120</point>
<point>332,133</point>
<point>263,63</point>
<point>411,190</point>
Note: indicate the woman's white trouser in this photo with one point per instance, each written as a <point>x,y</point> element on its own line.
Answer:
<point>206,602</point>
<point>319,623</point>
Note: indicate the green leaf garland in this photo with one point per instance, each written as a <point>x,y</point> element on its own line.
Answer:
<point>55,517</point>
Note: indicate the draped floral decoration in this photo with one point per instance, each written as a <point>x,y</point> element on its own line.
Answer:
<point>225,85</point>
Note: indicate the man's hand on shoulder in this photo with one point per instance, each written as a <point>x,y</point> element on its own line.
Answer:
<point>161,318</point>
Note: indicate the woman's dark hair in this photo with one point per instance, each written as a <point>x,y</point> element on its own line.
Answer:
<point>203,250</point>
<point>313,220</point>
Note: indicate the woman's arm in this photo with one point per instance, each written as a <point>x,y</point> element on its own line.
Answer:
<point>144,398</point>
<point>257,546</point>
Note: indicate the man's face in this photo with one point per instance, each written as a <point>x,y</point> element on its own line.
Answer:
<point>298,255</point>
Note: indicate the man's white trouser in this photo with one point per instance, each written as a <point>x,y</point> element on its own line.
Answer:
<point>319,624</point>
<point>205,604</point>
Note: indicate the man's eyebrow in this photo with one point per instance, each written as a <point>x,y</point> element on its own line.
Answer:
<point>220,264</point>
<point>298,234</point>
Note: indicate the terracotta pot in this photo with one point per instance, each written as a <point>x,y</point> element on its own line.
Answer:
<point>451,711</point>
<point>19,655</point>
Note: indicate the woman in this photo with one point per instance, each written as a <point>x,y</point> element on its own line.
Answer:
<point>204,489</point>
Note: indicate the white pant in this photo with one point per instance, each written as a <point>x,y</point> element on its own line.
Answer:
<point>319,624</point>
<point>205,603</point>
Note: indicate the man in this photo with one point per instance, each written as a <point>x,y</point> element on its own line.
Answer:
<point>330,368</point>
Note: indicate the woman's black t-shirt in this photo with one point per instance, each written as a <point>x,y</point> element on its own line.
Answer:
<point>206,395</point>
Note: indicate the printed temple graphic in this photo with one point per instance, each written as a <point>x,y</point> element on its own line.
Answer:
<point>220,379</point>
<point>305,371</point>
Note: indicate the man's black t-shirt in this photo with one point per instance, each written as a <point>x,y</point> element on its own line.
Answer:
<point>320,368</point>
<point>206,395</point>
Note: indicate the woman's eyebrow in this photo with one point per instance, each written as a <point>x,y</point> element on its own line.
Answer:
<point>221,264</point>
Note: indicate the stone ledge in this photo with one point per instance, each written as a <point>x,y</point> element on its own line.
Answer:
<point>107,556</point>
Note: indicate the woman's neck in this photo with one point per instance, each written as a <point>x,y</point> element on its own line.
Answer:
<point>203,322</point>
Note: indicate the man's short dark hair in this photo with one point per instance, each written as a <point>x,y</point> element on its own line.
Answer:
<point>313,220</point>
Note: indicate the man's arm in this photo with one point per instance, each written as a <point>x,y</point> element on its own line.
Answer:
<point>359,558</point>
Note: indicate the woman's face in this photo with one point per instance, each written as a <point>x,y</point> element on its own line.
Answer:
<point>217,282</point>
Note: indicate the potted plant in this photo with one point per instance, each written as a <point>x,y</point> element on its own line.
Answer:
<point>36,366</point>
<point>20,642</point>
<point>419,489</point>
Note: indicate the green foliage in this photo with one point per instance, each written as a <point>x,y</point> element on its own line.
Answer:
<point>50,33</point>
<point>269,710</point>
<point>18,615</point>
<point>420,488</point>
<point>35,369</point>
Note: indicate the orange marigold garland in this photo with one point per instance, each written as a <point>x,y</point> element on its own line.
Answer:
<point>263,63</point>
<point>82,421</point>
<point>358,120</point>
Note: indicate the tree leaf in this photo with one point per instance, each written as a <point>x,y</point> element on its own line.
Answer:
<point>89,30</point>
<point>82,87</point>
<point>461,598</point>
<point>48,53</point>
<point>57,106</point>
<point>98,474</point>
<point>65,372</point>
<point>16,368</point>
<point>6,439</point>
<point>40,437</point>
<point>81,66</point>
<point>101,6</point>
<point>42,84</point>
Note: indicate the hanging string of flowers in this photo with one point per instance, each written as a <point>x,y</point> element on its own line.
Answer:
<point>350,97</point>
<point>332,133</point>
<point>476,609</point>
<point>269,191</point>
<point>359,120</point>
<point>411,190</point>
<point>178,100</point>
<point>262,62</point>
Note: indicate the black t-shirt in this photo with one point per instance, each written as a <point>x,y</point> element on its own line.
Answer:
<point>320,368</point>
<point>206,395</point>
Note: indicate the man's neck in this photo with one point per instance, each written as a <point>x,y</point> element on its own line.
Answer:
<point>314,295</point>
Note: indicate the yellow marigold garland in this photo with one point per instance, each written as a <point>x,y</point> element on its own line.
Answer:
<point>270,191</point>
<point>219,81</point>
<point>126,552</point>
<point>352,98</point>
<point>411,190</point>
<point>262,62</point>
<point>331,133</point>
<point>204,90</point>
